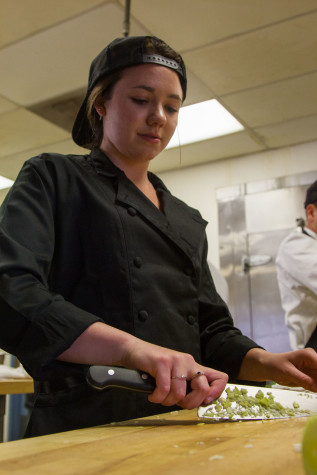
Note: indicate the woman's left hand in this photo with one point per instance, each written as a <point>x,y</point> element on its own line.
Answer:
<point>293,368</point>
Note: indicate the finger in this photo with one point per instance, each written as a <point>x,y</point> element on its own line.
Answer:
<point>302,379</point>
<point>207,386</point>
<point>177,392</point>
<point>199,391</point>
<point>163,386</point>
<point>199,396</point>
<point>194,399</point>
<point>216,388</point>
<point>159,394</point>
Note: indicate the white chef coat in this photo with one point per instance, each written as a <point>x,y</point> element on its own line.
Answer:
<point>296,265</point>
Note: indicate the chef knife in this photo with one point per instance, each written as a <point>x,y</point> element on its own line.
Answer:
<point>103,377</point>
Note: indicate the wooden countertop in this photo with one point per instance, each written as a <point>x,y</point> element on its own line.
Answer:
<point>175,443</point>
<point>16,386</point>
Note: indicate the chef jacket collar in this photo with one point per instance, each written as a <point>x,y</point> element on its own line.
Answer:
<point>310,233</point>
<point>106,167</point>
<point>103,164</point>
<point>177,217</point>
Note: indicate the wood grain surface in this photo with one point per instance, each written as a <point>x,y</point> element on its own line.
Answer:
<point>175,443</point>
<point>16,386</point>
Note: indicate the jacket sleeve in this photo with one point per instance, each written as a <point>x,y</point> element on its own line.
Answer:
<point>222,344</point>
<point>36,324</point>
<point>297,257</point>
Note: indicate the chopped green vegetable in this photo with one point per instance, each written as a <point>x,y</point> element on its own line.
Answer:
<point>236,403</point>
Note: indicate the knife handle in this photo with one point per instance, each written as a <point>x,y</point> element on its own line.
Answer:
<point>103,377</point>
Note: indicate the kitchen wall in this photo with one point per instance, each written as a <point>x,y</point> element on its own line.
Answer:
<point>197,185</point>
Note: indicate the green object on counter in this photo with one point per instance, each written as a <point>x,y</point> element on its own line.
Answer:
<point>309,446</point>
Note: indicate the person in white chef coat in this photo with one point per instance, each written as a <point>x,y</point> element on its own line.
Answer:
<point>296,265</point>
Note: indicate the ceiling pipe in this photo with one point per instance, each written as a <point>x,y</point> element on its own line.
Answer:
<point>126,21</point>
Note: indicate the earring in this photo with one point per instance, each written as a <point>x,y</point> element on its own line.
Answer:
<point>100,117</point>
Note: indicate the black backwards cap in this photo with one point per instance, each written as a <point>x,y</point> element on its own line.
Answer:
<point>311,195</point>
<point>121,53</point>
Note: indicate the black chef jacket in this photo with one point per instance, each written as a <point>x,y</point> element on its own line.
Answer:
<point>79,243</point>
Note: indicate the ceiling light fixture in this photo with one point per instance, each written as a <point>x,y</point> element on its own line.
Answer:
<point>5,183</point>
<point>203,121</point>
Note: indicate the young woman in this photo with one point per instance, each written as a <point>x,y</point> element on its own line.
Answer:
<point>100,264</point>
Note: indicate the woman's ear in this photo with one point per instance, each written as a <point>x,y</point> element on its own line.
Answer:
<point>100,109</point>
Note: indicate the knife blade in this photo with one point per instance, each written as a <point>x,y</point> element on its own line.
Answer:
<point>102,377</point>
<point>274,404</point>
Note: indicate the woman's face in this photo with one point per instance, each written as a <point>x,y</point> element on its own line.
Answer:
<point>140,117</point>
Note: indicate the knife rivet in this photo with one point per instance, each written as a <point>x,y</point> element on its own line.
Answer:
<point>144,376</point>
<point>111,372</point>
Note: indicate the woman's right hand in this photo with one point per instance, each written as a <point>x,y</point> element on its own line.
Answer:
<point>172,370</point>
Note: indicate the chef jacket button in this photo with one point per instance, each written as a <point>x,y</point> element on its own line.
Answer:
<point>132,211</point>
<point>143,315</point>
<point>191,319</point>
<point>137,262</point>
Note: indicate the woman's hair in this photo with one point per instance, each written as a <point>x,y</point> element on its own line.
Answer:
<point>100,93</point>
<point>103,89</point>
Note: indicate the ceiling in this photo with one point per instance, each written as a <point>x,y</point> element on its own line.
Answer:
<point>258,58</point>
